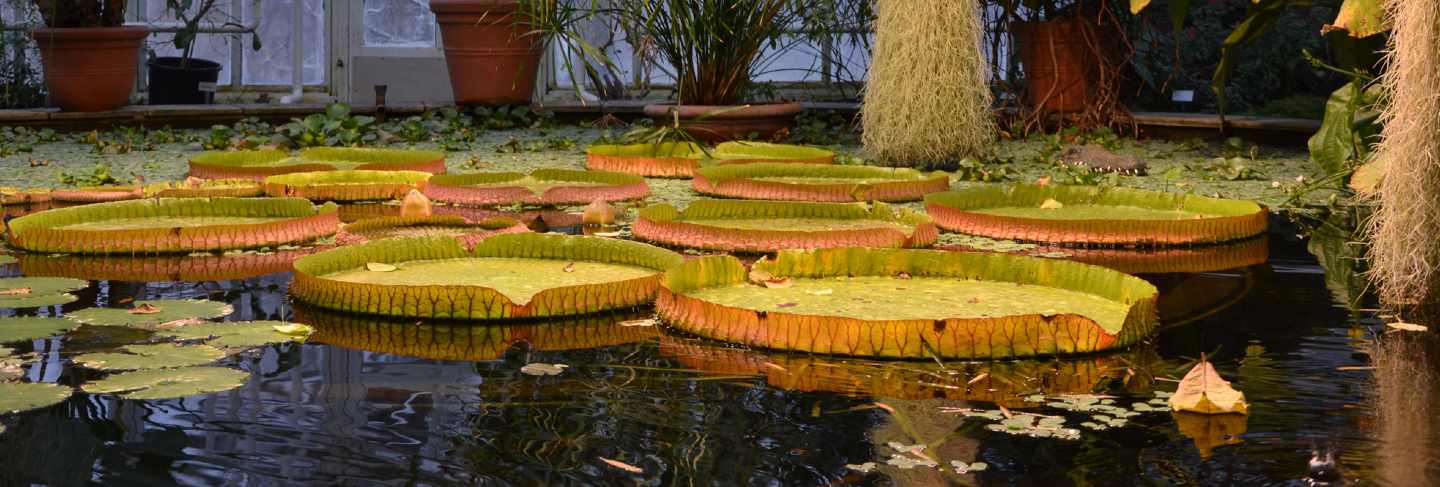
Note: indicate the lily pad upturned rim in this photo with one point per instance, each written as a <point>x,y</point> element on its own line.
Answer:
<point>210,188</point>
<point>1229,220</point>
<point>302,222</point>
<point>259,164</point>
<point>682,159</point>
<point>744,181</point>
<point>464,189</point>
<point>348,185</point>
<point>663,224</point>
<point>161,268</point>
<point>96,194</point>
<point>479,302</point>
<point>440,339</point>
<point>947,338</point>
<point>473,232</point>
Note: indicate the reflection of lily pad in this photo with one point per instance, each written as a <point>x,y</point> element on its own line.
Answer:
<point>155,356</point>
<point>173,225</point>
<point>169,383</point>
<point>168,310</point>
<point>22,328</point>
<point>241,334</point>
<point>34,292</point>
<point>24,396</point>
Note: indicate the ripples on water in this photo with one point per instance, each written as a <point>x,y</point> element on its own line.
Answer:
<point>370,402</point>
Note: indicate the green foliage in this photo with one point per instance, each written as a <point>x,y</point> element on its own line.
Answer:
<point>99,175</point>
<point>823,128</point>
<point>1232,168</point>
<point>970,169</point>
<point>20,139</point>
<point>335,127</point>
<point>248,133</point>
<point>1349,132</point>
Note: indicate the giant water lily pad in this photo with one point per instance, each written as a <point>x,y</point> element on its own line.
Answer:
<point>425,226</point>
<point>207,188</point>
<point>24,396</point>
<point>151,314</point>
<point>23,328</point>
<point>767,226</point>
<point>241,334</point>
<point>173,225</point>
<point>505,276</point>
<point>35,292</point>
<point>439,339</point>
<point>956,305</point>
<point>540,187</point>
<point>346,185</point>
<point>257,165</point>
<point>161,268</point>
<point>169,383</point>
<point>682,159</point>
<point>809,182</point>
<point>154,356</point>
<point>96,194</point>
<point>1094,215</point>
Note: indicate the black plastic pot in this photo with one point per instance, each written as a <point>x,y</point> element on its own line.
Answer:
<point>174,81</point>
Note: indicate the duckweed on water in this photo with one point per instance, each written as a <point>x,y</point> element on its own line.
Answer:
<point>169,383</point>
<point>23,328</point>
<point>241,334</point>
<point>151,314</point>
<point>517,278</point>
<point>153,356</point>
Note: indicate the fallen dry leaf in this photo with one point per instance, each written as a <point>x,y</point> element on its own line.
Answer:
<point>640,322</point>
<point>782,282</point>
<point>1204,391</point>
<point>1043,181</point>
<point>1051,204</point>
<point>622,465</point>
<point>1403,326</point>
<point>569,267</point>
<point>145,309</point>
<point>15,291</point>
<point>978,378</point>
<point>380,267</point>
<point>787,305</point>
<point>903,275</point>
<point>821,292</point>
<point>759,276</point>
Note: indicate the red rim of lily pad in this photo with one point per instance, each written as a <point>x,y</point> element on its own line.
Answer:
<point>470,233</point>
<point>260,164</point>
<point>1216,220</point>
<point>682,159</point>
<point>15,196</point>
<point>297,221</point>
<point>473,301</point>
<point>490,189</point>
<point>97,194</point>
<point>665,225</point>
<point>834,183</point>
<point>1022,335</point>
<point>342,186</point>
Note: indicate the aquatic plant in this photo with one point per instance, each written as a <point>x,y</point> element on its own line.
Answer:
<point>149,315</point>
<point>550,187</point>
<point>927,98</point>
<point>348,185</point>
<point>150,357</point>
<point>161,268</point>
<point>767,226</point>
<point>842,301</point>
<point>447,225</point>
<point>240,334</point>
<point>173,225</point>
<point>35,292</point>
<point>24,396</point>
<point>259,164</point>
<point>809,182</point>
<point>24,328</point>
<point>168,383</point>
<point>1095,215</point>
<point>506,276</point>
<point>682,159</point>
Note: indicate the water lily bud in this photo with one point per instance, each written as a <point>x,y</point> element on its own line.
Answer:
<point>415,204</point>
<point>599,213</point>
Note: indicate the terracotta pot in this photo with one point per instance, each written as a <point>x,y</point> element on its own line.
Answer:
<point>1059,66</point>
<point>714,124</point>
<point>90,69</point>
<point>491,61</point>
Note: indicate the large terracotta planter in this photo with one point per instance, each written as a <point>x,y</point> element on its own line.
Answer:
<point>723,123</point>
<point>491,60</point>
<point>90,69</point>
<point>1060,69</point>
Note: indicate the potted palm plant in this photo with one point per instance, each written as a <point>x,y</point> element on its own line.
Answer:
<point>90,57</point>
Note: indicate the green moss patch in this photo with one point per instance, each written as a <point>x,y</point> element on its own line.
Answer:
<point>517,278</point>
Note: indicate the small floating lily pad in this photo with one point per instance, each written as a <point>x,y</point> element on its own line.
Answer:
<point>18,397</point>
<point>955,305</point>
<point>173,225</point>
<point>1094,215</point>
<point>169,383</point>
<point>540,187</point>
<point>259,164</point>
<point>35,292</point>
<point>767,226</point>
<point>346,185</point>
<point>682,159</point>
<point>810,182</point>
<point>151,314</point>
<point>153,356</point>
<point>241,334</point>
<point>23,328</point>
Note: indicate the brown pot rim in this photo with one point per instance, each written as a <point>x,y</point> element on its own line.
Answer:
<point>464,7</point>
<point>42,34</point>
<point>763,110</point>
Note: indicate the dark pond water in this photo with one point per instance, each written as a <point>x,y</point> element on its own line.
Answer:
<point>373,402</point>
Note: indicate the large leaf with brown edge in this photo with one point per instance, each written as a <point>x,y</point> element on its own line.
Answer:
<point>773,225</point>
<point>811,182</point>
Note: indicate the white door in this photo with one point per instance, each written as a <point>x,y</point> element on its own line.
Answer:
<point>394,43</point>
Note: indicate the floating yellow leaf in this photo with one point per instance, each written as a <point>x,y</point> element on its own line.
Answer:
<point>380,267</point>
<point>146,309</point>
<point>1204,391</point>
<point>622,465</point>
<point>1051,204</point>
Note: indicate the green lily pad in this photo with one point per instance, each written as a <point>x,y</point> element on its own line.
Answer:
<point>8,259</point>
<point>22,328</point>
<point>34,292</point>
<point>242,334</point>
<point>169,383</point>
<point>23,396</point>
<point>167,310</point>
<point>147,357</point>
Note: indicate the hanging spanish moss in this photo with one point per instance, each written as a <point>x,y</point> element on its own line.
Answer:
<point>928,97</point>
<point>1405,231</point>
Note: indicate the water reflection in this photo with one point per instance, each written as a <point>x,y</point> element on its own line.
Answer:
<point>1405,397</point>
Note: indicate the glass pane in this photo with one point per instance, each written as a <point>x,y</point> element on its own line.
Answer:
<point>399,23</point>
<point>271,64</point>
